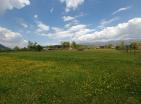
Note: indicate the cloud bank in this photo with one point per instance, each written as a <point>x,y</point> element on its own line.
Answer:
<point>128,30</point>
<point>11,4</point>
<point>72,4</point>
<point>11,39</point>
<point>83,33</point>
<point>42,28</point>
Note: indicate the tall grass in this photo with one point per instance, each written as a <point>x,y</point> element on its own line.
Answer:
<point>70,77</point>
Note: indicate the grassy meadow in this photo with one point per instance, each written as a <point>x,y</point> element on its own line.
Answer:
<point>70,77</point>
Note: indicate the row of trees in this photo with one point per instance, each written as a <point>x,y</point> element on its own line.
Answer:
<point>123,46</point>
<point>71,45</point>
<point>32,46</point>
<point>129,48</point>
<point>67,46</point>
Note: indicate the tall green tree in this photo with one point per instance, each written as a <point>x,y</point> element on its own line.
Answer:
<point>134,46</point>
<point>65,44</point>
<point>122,45</point>
<point>73,45</point>
<point>34,46</point>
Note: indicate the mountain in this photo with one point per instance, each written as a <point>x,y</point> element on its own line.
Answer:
<point>114,42</point>
<point>2,47</point>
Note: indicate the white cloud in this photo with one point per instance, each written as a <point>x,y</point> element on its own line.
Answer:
<point>68,18</point>
<point>105,22</point>
<point>83,33</point>
<point>42,28</point>
<point>11,39</point>
<point>36,16</point>
<point>72,4</point>
<point>24,25</point>
<point>129,30</point>
<point>121,9</point>
<point>11,4</point>
<point>51,10</point>
<point>71,32</point>
<point>72,19</point>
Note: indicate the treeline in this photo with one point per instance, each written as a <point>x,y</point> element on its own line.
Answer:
<point>66,46</point>
<point>122,46</point>
<point>34,46</point>
<point>132,47</point>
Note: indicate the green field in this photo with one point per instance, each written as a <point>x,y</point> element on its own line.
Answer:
<point>70,77</point>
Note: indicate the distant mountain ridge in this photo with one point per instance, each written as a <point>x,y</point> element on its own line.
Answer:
<point>116,42</point>
<point>2,47</point>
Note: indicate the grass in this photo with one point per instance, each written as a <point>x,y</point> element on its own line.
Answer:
<point>70,77</point>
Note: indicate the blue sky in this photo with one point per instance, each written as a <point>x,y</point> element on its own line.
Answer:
<point>53,21</point>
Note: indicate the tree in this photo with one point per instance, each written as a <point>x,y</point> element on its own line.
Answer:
<point>34,46</point>
<point>65,44</point>
<point>109,46</point>
<point>16,48</point>
<point>39,48</point>
<point>134,46</point>
<point>73,45</point>
<point>127,47</point>
<point>118,47</point>
<point>122,45</point>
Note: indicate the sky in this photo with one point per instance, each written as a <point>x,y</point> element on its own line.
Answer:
<point>50,22</point>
